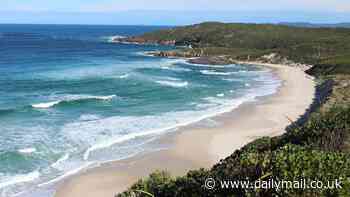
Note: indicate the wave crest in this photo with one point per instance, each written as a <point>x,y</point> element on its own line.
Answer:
<point>71,99</point>
<point>209,72</point>
<point>22,178</point>
<point>112,38</point>
<point>175,84</point>
<point>27,150</point>
<point>60,161</point>
<point>46,105</point>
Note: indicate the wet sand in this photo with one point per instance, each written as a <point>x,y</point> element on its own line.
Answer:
<point>194,147</point>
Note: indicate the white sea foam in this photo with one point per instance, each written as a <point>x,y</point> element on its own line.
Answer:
<point>109,131</point>
<point>89,117</point>
<point>117,140</point>
<point>67,174</point>
<point>103,97</point>
<point>145,53</point>
<point>173,61</point>
<point>210,65</point>
<point>171,78</point>
<point>60,161</point>
<point>209,72</point>
<point>174,84</point>
<point>165,67</point>
<point>233,79</point>
<point>205,105</point>
<point>220,95</point>
<point>46,105</point>
<point>106,132</point>
<point>175,68</point>
<point>22,178</point>
<point>123,76</point>
<point>170,64</point>
<point>160,124</point>
<point>113,38</point>
<point>69,98</point>
<point>27,150</point>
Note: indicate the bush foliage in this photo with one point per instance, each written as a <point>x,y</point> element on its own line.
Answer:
<point>324,47</point>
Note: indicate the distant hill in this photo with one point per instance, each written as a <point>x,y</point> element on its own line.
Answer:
<point>313,25</point>
<point>316,46</point>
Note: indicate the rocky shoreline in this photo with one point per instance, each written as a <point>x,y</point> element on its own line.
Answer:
<point>193,58</point>
<point>140,40</point>
<point>198,56</point>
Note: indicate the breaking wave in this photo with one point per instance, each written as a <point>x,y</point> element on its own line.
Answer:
<point>175,84</point>
<point>72,98</point>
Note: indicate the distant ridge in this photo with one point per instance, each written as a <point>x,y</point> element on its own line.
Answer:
<point>240,41</point>
<point>313,25</point>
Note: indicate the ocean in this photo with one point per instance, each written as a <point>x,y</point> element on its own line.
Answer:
<point>70,99</point>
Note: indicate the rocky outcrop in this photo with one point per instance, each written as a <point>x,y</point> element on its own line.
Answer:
<point>140,40</point>
<point>196,57</point>
<point>175,53</point>
<point>166,53</point>
<point>212,60</point>
<point>167,42</point>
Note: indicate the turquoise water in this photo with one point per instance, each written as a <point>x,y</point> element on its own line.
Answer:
<point>70,99</point>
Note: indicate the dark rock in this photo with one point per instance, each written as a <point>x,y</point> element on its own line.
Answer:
<point>140,40</point>
<point>210,60</point>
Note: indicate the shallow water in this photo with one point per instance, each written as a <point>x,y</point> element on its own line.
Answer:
<point>71,99</point>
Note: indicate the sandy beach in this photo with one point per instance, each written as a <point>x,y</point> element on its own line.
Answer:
<point>194,147</point>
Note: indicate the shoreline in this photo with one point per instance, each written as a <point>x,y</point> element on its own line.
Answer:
<point>251,120</point>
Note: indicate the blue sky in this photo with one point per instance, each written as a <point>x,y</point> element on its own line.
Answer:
<point>177,12</point>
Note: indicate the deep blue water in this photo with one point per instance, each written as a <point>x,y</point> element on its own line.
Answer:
<point>71,99</point>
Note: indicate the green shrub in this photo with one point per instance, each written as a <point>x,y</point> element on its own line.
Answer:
<point>328,47</point>
<point>312,151</point>
<point>325,130</point>
<point>156,184</point>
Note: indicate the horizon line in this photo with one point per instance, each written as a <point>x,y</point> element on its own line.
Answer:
<point>169,25</point>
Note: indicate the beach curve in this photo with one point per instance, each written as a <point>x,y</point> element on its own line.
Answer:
<point>266,117</point>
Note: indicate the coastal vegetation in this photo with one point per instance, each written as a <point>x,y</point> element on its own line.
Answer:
<point>316,147</point>
<point>322,47</point>
<point>318,150</point>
